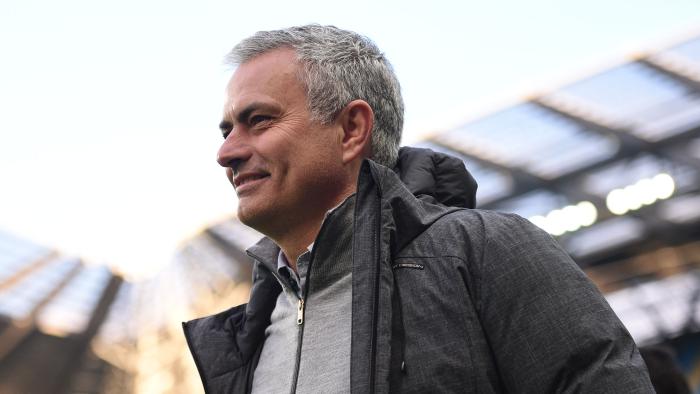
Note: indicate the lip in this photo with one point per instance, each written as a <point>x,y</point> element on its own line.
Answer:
<point>245,181</point>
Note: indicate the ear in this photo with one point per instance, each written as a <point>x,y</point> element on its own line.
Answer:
<point>356,119</point>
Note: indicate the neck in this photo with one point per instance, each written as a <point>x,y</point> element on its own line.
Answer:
<point>297,237</point>
<point>296,243</point>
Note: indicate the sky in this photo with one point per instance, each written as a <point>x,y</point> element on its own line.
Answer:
<point>109,110</point>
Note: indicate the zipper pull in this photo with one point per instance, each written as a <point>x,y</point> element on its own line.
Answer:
<point>300,312</point>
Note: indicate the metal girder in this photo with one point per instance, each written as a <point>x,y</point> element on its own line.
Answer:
<point>18,330</point>
<point>82,340</point>
<point>27,270</point>
<point>525,181</point>
<point>661,68</point>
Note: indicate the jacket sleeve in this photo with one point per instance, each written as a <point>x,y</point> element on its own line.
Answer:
<point>550,329</point>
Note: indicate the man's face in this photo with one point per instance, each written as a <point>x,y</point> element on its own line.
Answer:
<point>286,168</point>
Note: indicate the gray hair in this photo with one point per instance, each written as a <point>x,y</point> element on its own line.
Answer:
<point>337,67</point>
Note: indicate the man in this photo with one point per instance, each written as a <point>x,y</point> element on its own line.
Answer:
<point>372,280</point>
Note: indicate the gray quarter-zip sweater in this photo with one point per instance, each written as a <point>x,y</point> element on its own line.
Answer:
<point>307,349</point>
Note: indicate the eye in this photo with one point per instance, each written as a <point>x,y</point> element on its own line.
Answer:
<point>257,119</point>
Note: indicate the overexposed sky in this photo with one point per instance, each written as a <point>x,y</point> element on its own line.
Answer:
<point>109,109</point>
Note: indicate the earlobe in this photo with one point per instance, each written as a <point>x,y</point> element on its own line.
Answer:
<point>357,120</point>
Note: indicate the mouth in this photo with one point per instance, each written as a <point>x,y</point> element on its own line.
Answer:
<point>249,179</point>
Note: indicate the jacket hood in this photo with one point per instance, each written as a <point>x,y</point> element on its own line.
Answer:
<point>424,186</point>
<point>436,177</point>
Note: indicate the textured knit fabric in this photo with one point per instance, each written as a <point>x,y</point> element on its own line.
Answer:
<point>445,300</point>
<point>324,357</point>
<point>325,351</point>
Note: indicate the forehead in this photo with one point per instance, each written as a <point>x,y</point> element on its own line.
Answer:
<point>272,76</point>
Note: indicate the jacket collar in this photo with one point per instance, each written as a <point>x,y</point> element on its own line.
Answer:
<point>266,252</point>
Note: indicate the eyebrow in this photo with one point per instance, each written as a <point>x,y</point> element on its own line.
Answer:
<point>226,124</point>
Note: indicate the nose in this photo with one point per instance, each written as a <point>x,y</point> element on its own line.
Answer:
<point>233,152</point>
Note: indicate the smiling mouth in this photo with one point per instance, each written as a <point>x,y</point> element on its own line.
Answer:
<point>248,179</point>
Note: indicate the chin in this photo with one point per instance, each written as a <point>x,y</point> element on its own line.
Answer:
<point>254,217</point>
<point>246,216</point>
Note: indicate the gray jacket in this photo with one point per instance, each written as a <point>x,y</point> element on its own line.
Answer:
<point>445,299</point>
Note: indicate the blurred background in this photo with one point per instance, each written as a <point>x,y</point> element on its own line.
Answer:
<point>116,223</point>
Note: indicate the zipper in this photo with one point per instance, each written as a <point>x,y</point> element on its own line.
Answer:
<point>377,259</point>
<point>300,336</point>
<point>300,312</point>
<point>300,324</point>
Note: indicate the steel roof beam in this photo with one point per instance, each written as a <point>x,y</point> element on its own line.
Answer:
<point>677,76</point>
